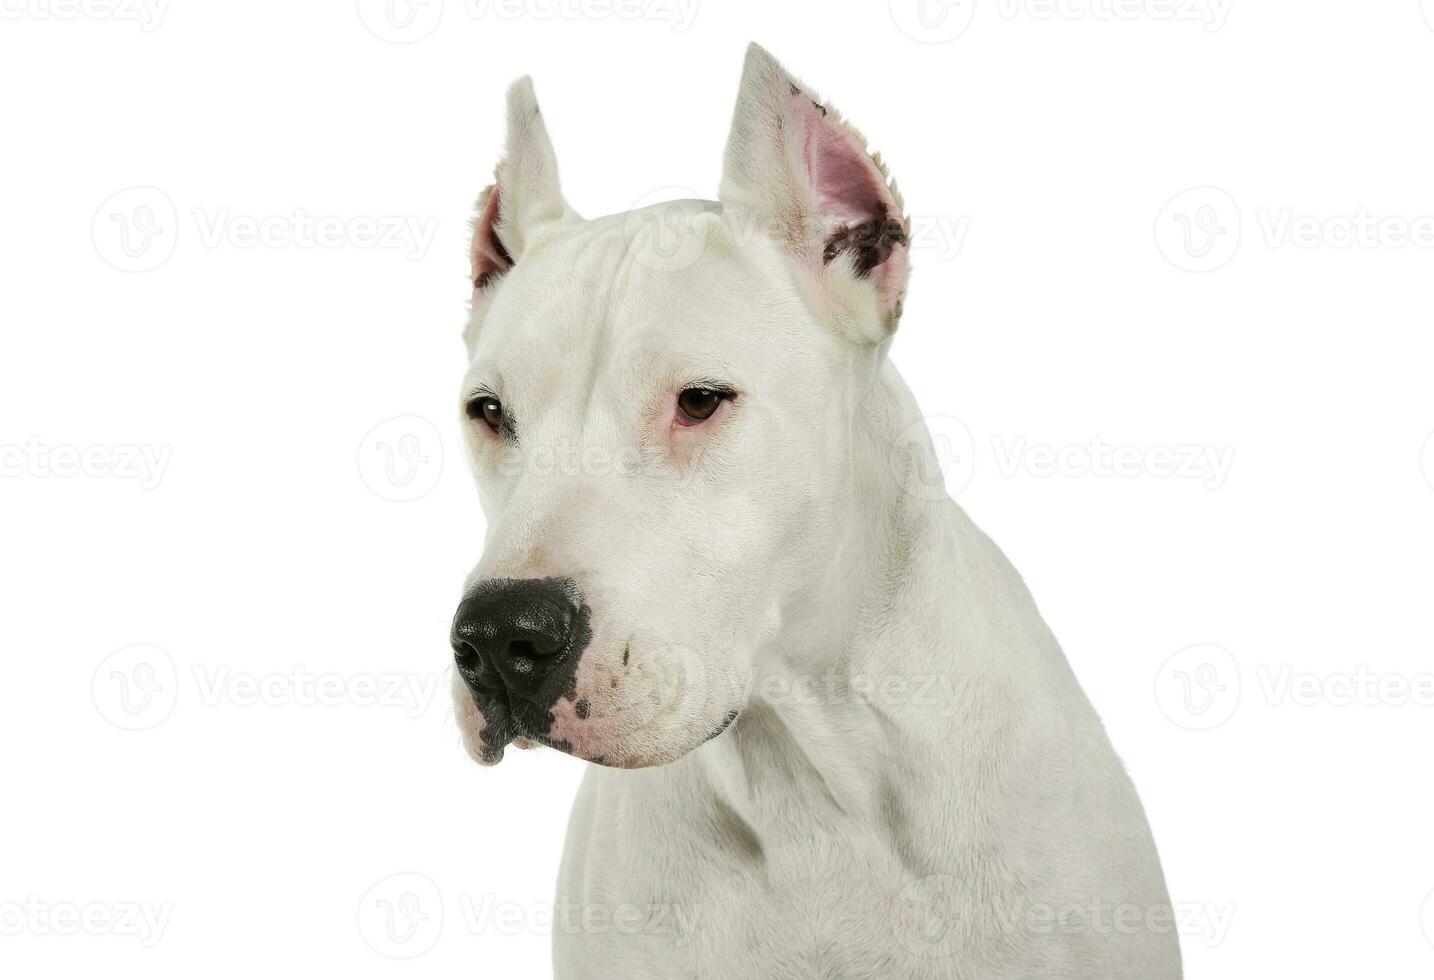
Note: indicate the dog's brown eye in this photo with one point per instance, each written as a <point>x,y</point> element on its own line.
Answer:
<point>696,405</point>
<point>487,408</point>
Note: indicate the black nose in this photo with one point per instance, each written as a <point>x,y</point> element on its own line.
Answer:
<point>509,634</point>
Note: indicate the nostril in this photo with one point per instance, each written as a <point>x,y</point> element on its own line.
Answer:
<point>465,656</point>
<point>521,648</point>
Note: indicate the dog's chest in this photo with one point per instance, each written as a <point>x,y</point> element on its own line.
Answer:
<point>718,905</point>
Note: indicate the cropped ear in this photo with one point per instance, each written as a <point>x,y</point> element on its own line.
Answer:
<point>524,194</point>
<point>807,173</point>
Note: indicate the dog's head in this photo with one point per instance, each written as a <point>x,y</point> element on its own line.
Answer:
<point>659,407</point>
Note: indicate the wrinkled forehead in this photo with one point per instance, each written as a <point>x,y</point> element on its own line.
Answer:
<point>672,294</point>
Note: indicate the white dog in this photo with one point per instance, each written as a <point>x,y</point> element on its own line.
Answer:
<point>833,736</point>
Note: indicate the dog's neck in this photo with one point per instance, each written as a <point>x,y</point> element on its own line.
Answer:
<point>841,690</point>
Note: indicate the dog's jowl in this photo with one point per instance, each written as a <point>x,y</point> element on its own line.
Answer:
<point>830,734</point>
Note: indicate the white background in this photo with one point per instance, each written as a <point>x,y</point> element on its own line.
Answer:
<point>280,746</point>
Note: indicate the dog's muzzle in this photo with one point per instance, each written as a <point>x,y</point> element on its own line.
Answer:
<point>517,643</point>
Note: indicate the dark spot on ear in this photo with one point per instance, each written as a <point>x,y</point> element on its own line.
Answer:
<point>872,241</point>
<point>821,108</point>
<point>795,90</point>
<point>582,708</point>
<point>625,651</point>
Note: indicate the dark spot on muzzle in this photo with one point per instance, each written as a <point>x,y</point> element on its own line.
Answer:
<point>517,643</point>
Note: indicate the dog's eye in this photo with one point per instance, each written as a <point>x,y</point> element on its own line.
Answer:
<point>487,408</point>
<point>696,405</point>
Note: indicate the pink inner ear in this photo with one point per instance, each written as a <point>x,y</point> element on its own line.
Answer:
<point>489,258</point>
<point>849,187</point>
<point>859,212</point>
